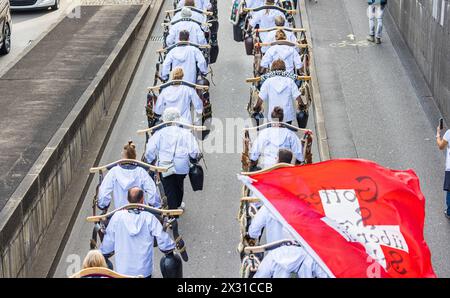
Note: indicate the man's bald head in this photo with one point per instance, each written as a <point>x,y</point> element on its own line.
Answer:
<point>135,195</point>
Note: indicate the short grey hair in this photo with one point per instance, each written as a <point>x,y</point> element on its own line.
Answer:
<point>171,114</point>
<point>279,21</point>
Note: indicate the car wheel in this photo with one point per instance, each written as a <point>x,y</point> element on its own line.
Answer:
<point>6,47</point>
<point>56,6</point>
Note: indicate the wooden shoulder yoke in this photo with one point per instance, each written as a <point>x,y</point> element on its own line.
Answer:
<point>258,79</point>
<point>198,10</point>
<point>279,124</point>
<point>156,211</point>
<point>166,24</point>
<point>172,123</point>
<point>102,272</point>
<point>279,28</point>
<point>266,170</point>
<point>184,43</point>
<point>292,11</point>
<point>178,82</point>
<point>270,246</point>
<point>282,43</point>
<point>250,199</point>
<point>135,162</point>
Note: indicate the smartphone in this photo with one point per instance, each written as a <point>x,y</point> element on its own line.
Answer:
<point>441,123</point>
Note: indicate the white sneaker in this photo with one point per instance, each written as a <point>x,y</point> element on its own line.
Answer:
<point>182,206</point>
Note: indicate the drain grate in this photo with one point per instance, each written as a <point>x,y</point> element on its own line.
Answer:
<point>156,38</point>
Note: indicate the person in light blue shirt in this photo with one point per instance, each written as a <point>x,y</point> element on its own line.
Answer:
<point>196,33</point>
<point>288,261</point>
<point>175,146</point>
<point>121,178</point>
<point>130,235</point>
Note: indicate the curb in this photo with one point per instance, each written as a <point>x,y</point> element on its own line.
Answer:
<point>322,139</point>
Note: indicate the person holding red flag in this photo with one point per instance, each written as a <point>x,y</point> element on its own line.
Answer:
<point>352,216</point>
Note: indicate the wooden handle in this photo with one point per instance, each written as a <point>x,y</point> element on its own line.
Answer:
<point>250,199</point>
<point>184,43</point>
<point>204,12</point>
<point>190,20</point>
<point>170,212</point>
<point>179,82</point>
<point>257,79</point>
<point>274,167</point>
<point>185,125</point>
<point>289,11</point>
<point>134,161</point>
<point>278,123</point>
<point>283,42</point>
<point>265,247</point>
<point>101,271</point>
<point>280,28</point>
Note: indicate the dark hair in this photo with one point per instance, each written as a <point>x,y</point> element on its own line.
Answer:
<point>280,35</point>
<point>129,150</point>
<point>184,35</point>
<point>278,113</point>
<point>278,65</point>
<point>135,195</point>
<point>189,3</point>
<point>284,156</point>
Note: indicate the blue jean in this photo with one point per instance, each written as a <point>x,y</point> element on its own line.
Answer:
<point>375,11</point>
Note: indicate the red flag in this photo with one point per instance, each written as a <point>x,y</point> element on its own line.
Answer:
<point>356,218</point>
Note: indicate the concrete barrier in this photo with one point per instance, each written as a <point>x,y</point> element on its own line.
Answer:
<point>425,27</point>
<point>28,214</point>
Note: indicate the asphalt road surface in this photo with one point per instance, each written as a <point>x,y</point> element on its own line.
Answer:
<point>377,107</point>
<point>29,25</point>
<point>209,225</point>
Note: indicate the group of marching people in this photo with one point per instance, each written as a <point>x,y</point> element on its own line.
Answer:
<point>132,233</point>
<point>276,143</point>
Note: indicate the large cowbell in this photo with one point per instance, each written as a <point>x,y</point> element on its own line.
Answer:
<point>171,266</point>
<point>302,118</point>
<point>196,177</point>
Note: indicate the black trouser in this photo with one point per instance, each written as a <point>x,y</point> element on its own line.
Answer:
<point>174,189</point>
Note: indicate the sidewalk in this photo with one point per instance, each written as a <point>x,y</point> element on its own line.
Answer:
<point>372,109</point>
<point>39,91</point>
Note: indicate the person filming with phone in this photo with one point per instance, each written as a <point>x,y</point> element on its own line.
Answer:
<point>443,143</point>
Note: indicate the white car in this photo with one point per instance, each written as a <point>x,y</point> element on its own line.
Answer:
<point>34,4</point>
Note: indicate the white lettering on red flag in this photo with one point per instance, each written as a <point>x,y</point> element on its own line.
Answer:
<point>343,213</point>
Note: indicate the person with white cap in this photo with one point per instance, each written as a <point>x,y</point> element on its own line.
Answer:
<point>188,57</point>
<point>289,261</point>
<point>201,4</point>
<point>180,97</point>
<point>173,146</point>
<point>196,33</point>
<point>195,15</point>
